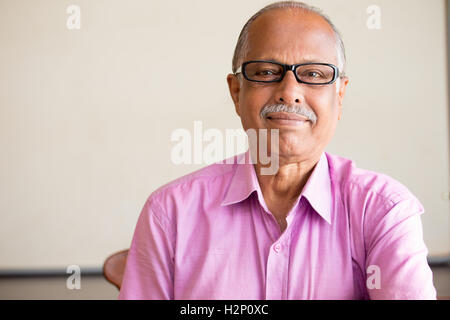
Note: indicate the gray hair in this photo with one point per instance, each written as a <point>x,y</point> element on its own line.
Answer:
<point>242,45</point>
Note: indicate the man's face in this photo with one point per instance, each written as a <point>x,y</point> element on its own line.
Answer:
<point>291,37</point>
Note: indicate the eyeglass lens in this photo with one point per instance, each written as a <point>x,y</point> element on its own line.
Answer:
<point>269,72</point>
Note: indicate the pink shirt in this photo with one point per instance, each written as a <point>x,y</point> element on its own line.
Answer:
<point>352,234</point>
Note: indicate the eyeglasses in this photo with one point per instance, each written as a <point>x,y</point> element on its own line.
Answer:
<point>270,71</point>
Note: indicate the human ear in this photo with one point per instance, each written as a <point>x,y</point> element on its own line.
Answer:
<point>341,89</point>
<point>341,93</point>
<point>234,85</point>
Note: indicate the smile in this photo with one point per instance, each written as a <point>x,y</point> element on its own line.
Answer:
<point>285,118</point>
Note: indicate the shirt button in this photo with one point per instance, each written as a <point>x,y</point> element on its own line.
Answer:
<point>277,248</point>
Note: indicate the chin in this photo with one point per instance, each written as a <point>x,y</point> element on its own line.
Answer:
<point>288,151</point>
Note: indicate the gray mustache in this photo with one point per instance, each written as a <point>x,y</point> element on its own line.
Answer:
<point>300,110</point>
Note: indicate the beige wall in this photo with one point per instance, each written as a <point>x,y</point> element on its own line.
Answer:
<point>86,115</point>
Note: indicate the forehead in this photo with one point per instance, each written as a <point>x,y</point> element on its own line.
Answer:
<point>292,36</point>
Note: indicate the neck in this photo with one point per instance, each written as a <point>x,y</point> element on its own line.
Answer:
<point>289,180</point>
<point>282,189</point>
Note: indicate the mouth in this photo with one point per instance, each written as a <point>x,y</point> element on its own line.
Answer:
<point>286,118</point>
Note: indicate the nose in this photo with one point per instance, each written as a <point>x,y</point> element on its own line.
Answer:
<point>289,91</point>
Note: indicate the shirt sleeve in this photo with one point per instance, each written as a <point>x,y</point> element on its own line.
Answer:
<point>149,269</point>
<point>396,255</point>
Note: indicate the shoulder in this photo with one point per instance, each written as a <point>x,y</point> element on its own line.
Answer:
<point>374,202</point>
<point>213,174</point>
<point>353,181</point>
<point>203,186</point>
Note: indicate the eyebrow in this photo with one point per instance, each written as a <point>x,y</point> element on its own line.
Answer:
<point>303,61</point>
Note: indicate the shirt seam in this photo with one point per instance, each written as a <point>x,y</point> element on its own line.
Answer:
<point>164,226</point>
<point>160,209</point>
<point>183,184</point>
<point>378,194</point>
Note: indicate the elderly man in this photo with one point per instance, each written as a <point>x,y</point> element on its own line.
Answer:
<point>318,227</point>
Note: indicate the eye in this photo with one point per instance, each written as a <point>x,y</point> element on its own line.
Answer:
<point>313,74</point>
<point>266,72</point>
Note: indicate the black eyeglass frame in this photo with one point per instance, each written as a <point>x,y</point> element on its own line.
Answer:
<point>289,67</point>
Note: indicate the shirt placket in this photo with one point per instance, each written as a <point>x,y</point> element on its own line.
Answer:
<point>277,271</point>
<point>278,258</point>
<point>278,263</point>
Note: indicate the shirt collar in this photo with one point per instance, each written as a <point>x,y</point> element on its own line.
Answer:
<point>317,189</point>
<point>243,182</point>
